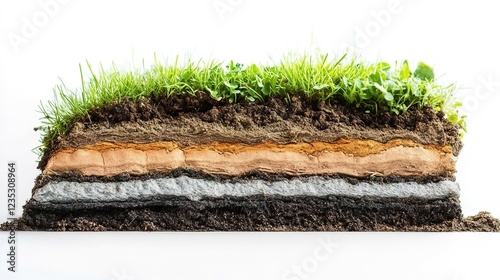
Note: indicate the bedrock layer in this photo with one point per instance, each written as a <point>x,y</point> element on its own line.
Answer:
<point>358,158</point>
<point>197,189</point>
<point>257,213</point>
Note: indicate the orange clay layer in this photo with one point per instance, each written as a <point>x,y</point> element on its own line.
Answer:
<point>353,157</point>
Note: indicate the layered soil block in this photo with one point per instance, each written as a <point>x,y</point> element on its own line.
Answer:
<point>185,164</point>
<point>309,143</point>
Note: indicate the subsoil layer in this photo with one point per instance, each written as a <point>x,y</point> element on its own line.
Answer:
<point>202,120</point>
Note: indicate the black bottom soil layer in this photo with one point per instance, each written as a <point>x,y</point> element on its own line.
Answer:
<point>242,214</point>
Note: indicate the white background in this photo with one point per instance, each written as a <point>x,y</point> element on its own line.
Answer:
<point>42,41</point>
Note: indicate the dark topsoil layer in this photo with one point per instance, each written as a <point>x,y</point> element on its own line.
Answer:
<point>257,213</point>
<point>202,120</point>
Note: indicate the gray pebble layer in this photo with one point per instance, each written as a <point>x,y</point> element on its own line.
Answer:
<point>196,189</point>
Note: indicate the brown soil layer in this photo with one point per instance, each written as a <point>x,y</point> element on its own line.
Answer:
<point>256,213</point>
<point>202,120</point>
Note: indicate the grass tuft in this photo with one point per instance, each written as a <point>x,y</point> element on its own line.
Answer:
<point>373,87</point>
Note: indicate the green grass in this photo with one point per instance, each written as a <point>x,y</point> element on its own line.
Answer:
<point>373,87</point>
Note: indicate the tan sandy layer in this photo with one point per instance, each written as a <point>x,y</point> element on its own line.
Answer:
<point>352,157</point>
